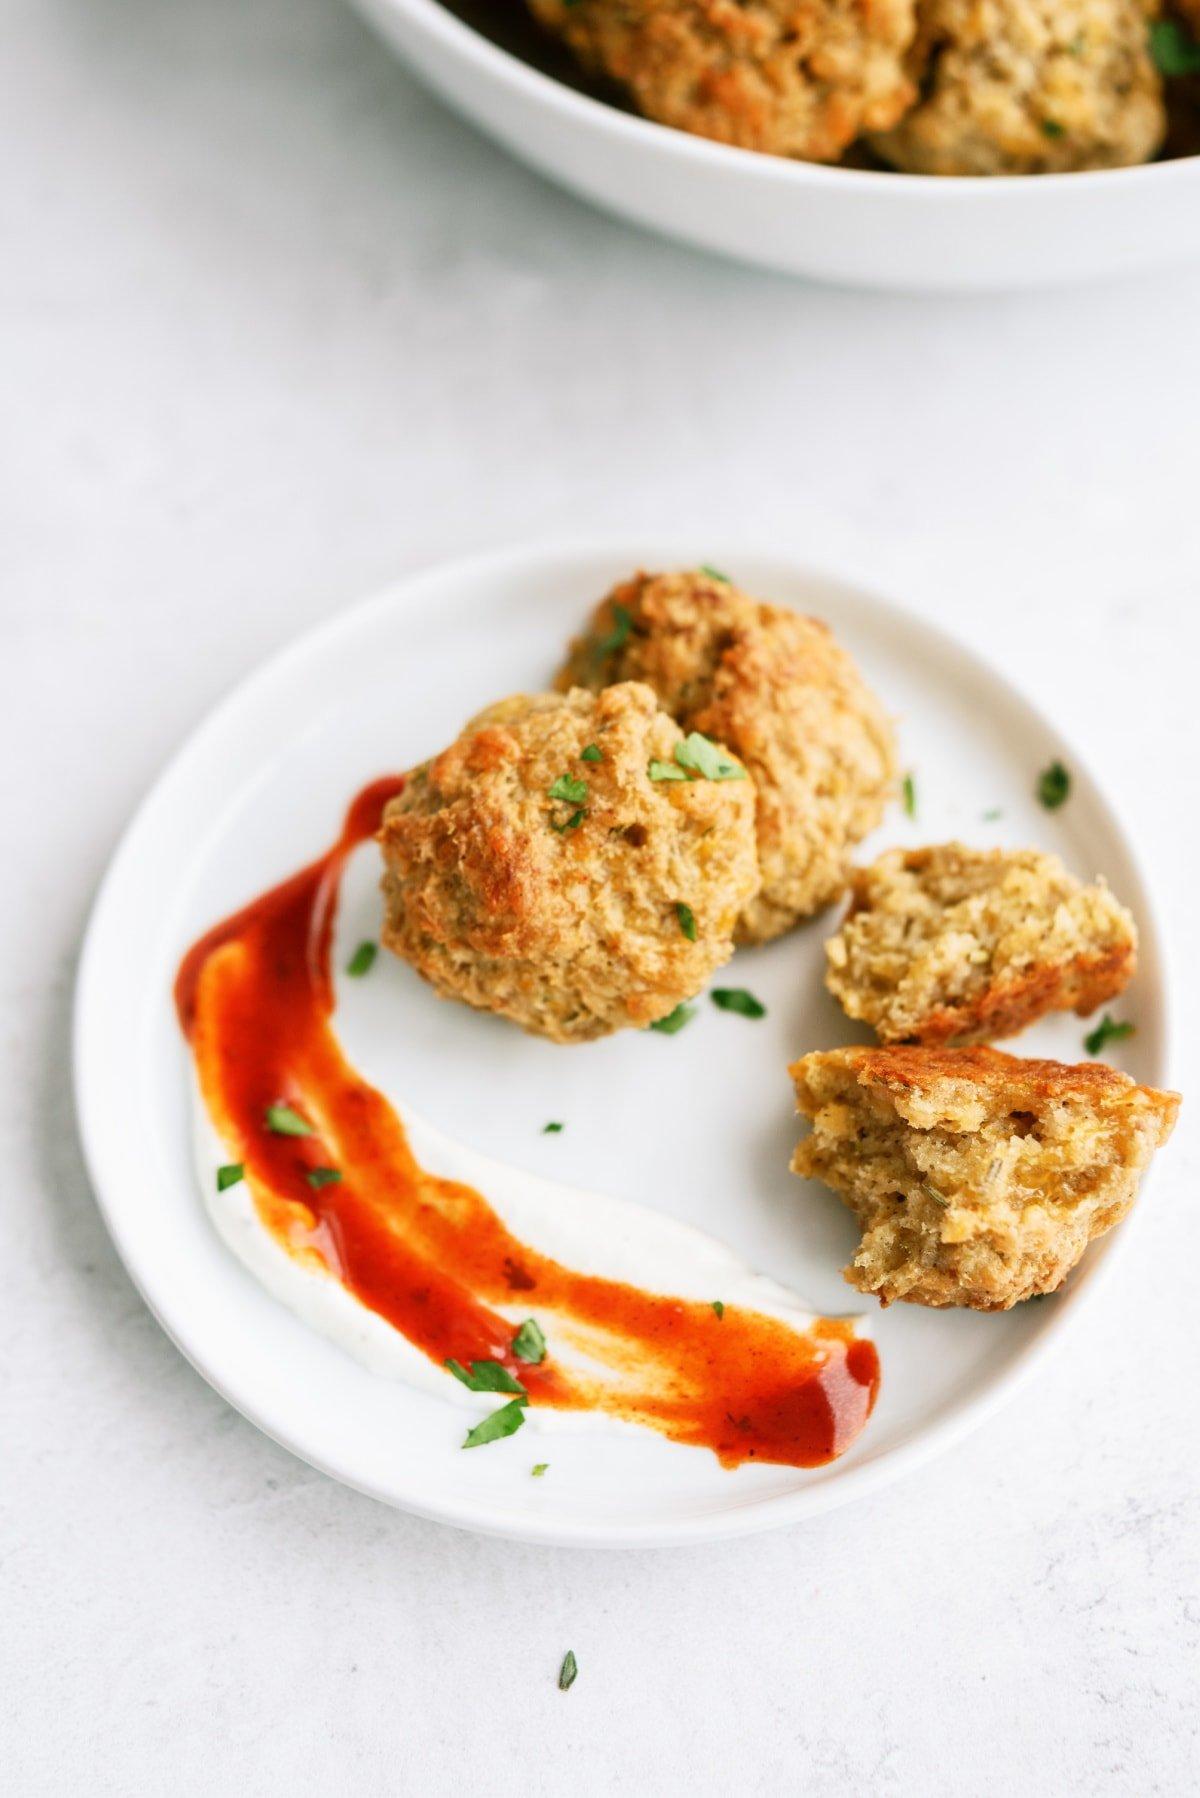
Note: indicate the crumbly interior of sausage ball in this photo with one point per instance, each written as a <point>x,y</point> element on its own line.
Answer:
<point>794,79</point>
<point>951,944</point>
<point>1026,87</point>
<point>979,1178</point>
<point>780,691</point>
<point>536,870</point>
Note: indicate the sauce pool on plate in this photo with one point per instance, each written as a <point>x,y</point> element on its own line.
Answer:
<point>337,1185</point>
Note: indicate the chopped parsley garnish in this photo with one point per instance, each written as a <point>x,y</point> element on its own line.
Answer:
<point>719,1307</point>
<point>1107,1031</point>
<point>1054,783</point>
<point>570,788</point>
<point>363,960</point>
<point>593,753</point>
<point>666,771</point>
<point>909,790</point>
<point>687,920</point>
<point>230,1174</point>
<point>497,1424</point>
<point>736,998</point>
<point>567,1672</point>
<point>318,1177</point>
<point>703,759</point>
<point>1052,128</point>
<point>674,1020</point>
<point>551,1129</point>
<point>486,1376</point>
<point>283,1121</point>
<point>529,1344</point>
<point>618,637</point>
<point>714,574</point>
<point>571,823</point>
<point>1174,49</point>
<point>538,1469</point>
<point>990,817</point>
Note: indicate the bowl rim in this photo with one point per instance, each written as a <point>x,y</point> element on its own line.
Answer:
<point>465,43</point>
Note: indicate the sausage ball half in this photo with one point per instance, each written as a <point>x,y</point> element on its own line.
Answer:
<point>1030,87</point>
<point>537,870</point>
<point>794,77</point>
<point>783,696</point>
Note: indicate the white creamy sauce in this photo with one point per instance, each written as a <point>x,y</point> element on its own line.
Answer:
<point>604,1236</point>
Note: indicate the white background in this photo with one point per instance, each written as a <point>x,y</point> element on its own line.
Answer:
<point>276,329</point>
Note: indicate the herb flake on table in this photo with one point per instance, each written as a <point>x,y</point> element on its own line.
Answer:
<point>687,920</point>
<point>551,1129</point>
<point>674,1020</point>
<point>1053,786</point>
<point>230,1174</point>
<point>567,1672</point>
<point>283,1120</point>
<point>737,999</point>
<point>1108,1030</point>
<point>497,1424</point>
<point>908,788</point>
<point>714,574</point>
<point>529,1344</point>
<point>363,960</point>
<point>538,1469</point>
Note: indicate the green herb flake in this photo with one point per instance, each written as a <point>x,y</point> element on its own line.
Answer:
<point>485,1376</point>
<point>538,1469</point>
<point>529,1344</point>
<point>593,753</point>
<point>318,1177</point>
<point>618,637</point>
<point>1053,785</point>
<point>665,771</point>
<point>551,1129</point>
<point>675,1020</point>
<point>991,816</point>
<point>736,998</point>
<point>230,1174</point>
<point>1052,128</point>
<point>703,759</point>
<point>909,790</point>
<point>714,574</point>
<point>719,1307</point>
<point>687,920</point>
<point>570,788</point>
<point>283,1121</point>
<point>567,1672</point>
<point>571,823</point>
<point>1107,1031</point>
<point>363,960</point>
<point>1175,51</point>
<point>497,1424</point>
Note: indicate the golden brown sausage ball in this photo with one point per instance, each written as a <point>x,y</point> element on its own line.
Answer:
<point>782,695</point>
<point>535,869</point>
<point>1029,87</point>
<point>794,77</point>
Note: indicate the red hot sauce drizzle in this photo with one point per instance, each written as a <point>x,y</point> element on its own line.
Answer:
<point>255,999</point>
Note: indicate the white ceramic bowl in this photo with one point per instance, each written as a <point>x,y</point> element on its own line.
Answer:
<point>846,225</point>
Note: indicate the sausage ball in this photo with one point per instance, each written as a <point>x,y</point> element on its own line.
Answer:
<point>794,77</point>
<point>783,696</point>
<point>536,868</point>
<point>1030,87</point>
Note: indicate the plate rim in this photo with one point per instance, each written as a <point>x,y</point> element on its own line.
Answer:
<point>769,1512</point>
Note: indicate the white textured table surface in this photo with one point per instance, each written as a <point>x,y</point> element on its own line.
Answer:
<point>275,329</point>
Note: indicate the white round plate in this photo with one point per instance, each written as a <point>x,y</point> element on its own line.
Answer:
<point>867,228</point>
<point>698,1125</point>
